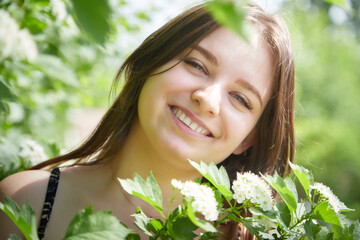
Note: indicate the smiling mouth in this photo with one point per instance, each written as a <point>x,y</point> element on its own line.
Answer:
<point>188,122</point>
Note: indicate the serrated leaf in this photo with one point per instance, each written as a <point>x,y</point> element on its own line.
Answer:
<point>229,15</point>
<point>304,176</point>
<point>217,176</point>
<point>93,17</point>
<point>142,221</point>
<point>148,190</point>
<point>286,189</point>
<point>87,225</point>
<point>207,226</point>
<point>325,213</point>
<point>24,218</point>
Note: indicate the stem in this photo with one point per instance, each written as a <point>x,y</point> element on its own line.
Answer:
<point>173,197</point>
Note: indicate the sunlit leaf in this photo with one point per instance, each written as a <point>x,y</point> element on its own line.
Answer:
<point>148,190</point>
<point>207,226</point>
<point>142,221</point>
<point>217,176</point>
<point>87,225</point>
<point>93,16</point>
<point>324,212</point>
<point>286,189</point>
<point>229,14</point>
<point>24,218</point>
<point>305,177</point>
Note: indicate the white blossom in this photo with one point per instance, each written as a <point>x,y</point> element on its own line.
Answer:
<point>202,198</point>
<point>58,9</point>
<point>328,194</point>
<point>33,152</point>
<point>15,43</point>
<point>254,188</point>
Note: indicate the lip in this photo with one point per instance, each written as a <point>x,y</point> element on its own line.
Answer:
<point>193,118</point>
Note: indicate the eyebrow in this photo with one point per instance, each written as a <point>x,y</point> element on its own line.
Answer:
<point>251,88</point>
<point>208,55</point>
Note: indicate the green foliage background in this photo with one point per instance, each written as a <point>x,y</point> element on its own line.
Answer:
<point>75,66</point>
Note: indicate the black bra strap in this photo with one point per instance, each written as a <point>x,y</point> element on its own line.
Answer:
<point>49,201</point>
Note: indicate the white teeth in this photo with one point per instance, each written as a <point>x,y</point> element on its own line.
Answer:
<point>187,121</point>
<point>193,126</point>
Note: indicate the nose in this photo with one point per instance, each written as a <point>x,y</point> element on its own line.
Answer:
<point>208,99</point>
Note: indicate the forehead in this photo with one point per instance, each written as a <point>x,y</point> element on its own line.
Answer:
<point>249,61</point>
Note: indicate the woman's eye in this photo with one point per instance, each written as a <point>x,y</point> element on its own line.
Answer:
<point>242,100</point>
<point>195,65</point>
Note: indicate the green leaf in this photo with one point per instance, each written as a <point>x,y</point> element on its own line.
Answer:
<point>324,234</point>
<point>311,229</point>
<point>305,177</point>
<point>142,221</point>
<point>325,213</point>
<point>24,218</point>
<point>87,225</point>
<point>182,228</point>
<point>230,15</point>
<point>148,190</point>
<point>217,176</point>
<point>5,91</point>
<point>93,17</point>
<point>156,225</point>
<point>286,189</point>
<point>207,226</point>
<point>284,215</point>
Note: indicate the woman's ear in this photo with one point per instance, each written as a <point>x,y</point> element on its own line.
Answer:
<point>248,142</point>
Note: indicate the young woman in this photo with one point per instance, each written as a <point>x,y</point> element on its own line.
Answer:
<point>193,90</point>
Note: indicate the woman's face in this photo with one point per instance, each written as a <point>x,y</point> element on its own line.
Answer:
<point>206,107</point>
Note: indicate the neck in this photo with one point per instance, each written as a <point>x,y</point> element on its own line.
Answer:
<point>138,156</point>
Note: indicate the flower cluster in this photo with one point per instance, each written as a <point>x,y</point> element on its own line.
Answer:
<point>252,187</point>
<point>33,152</point>
<point>15,43</point>
<point>202,198</point>
<point>328,194</point>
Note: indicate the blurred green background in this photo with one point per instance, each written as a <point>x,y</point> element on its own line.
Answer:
<point>58,59</point>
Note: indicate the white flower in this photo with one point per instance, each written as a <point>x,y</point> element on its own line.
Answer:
<point>254,188</point>
<point>26,47</point>
<point>202,197</point>
<point>33,152</point>
<point>8,34</point>
<point>58,9</point>
<point>328,194</point>
<point>177,184</point>
<point>15,43</point>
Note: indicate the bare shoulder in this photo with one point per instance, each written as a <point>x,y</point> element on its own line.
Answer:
<point>22,187</point>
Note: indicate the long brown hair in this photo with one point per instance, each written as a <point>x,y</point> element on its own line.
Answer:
<point>275,141</point>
